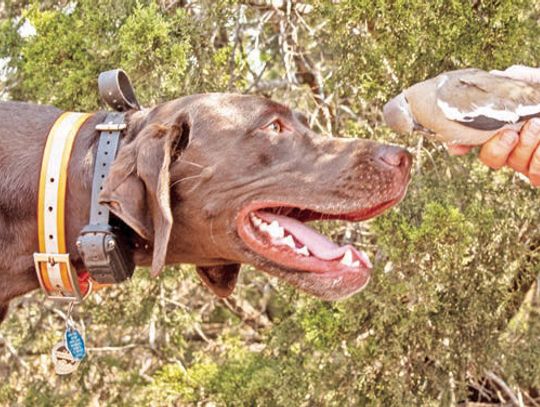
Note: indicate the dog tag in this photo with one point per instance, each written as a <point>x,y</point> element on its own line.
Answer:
<point>64,362</point>
<point>75,343</point>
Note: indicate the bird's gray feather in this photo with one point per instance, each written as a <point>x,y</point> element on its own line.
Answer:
<point>483,101</point>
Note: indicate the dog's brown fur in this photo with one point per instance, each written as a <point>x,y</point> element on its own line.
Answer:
<point>184,170</point>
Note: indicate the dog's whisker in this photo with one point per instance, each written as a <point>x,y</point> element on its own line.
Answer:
<point>184,179</point>
<point>212,237</point>
<point>191,163</point>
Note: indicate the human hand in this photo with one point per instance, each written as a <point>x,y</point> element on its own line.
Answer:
<point>520,151</point>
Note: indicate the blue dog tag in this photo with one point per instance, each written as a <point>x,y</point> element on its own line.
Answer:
<point>75,343</point>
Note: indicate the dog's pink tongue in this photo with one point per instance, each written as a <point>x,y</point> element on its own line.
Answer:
<point>318,245</point>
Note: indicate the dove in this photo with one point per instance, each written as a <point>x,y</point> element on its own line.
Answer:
<point>465,107</point>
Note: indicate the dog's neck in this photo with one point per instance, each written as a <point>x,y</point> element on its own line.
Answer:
<point>18,217</point>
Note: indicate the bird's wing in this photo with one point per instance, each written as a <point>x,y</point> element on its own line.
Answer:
<point>477,99</point>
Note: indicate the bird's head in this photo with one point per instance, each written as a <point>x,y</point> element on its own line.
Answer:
<point>398,115</point>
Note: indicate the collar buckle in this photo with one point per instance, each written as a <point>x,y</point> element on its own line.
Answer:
<point>111,127</point>
<point>54,264</point>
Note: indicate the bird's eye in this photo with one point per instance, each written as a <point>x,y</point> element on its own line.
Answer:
<point>274,127</point>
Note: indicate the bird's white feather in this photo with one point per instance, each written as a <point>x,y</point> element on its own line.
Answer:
<point>442,81</point>
<point>504,115</point>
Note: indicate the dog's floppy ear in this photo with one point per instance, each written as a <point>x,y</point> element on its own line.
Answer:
<point>220,279</point>
<point>137,189</point>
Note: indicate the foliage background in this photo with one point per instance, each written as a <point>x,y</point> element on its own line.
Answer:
<point>451,314</point>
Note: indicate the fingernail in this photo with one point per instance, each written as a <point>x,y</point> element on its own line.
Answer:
<point>535,125</point>
<point>509,138</point>
<point>530,136</point>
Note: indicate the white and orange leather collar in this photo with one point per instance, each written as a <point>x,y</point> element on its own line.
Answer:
<point>57,277</point>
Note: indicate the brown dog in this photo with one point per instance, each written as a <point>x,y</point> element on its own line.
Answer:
<point>214,180</point>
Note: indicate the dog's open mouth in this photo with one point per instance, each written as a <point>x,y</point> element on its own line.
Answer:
<point>278,233</point>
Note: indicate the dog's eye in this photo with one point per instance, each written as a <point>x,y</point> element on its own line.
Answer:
<point>274,127</point>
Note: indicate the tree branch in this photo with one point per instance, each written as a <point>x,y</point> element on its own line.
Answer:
<point>301,8</point>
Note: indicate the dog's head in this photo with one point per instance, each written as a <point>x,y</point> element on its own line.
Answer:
<point>218,180</point>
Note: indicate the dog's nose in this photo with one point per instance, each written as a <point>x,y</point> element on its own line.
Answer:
<point>395,157</point>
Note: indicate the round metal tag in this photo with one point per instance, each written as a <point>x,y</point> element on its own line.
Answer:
<point>64,362</point>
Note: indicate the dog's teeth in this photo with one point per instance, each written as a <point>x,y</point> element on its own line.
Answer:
<point>347,259</point>
<point>365,260</point>
<point>288,241</point>
<point>303,251</point>
<point>255,220</point>
<point>275,231</point>
<point>356,263</point>
<point>263,226</point>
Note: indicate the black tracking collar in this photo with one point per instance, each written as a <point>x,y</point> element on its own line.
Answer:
<point>104,249</point>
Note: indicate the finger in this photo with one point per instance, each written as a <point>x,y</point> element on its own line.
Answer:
<point>534,169</point>
<point>528,141</point>
<point>520,72</point>
<point>495,151</point>
<point>458,149</point>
